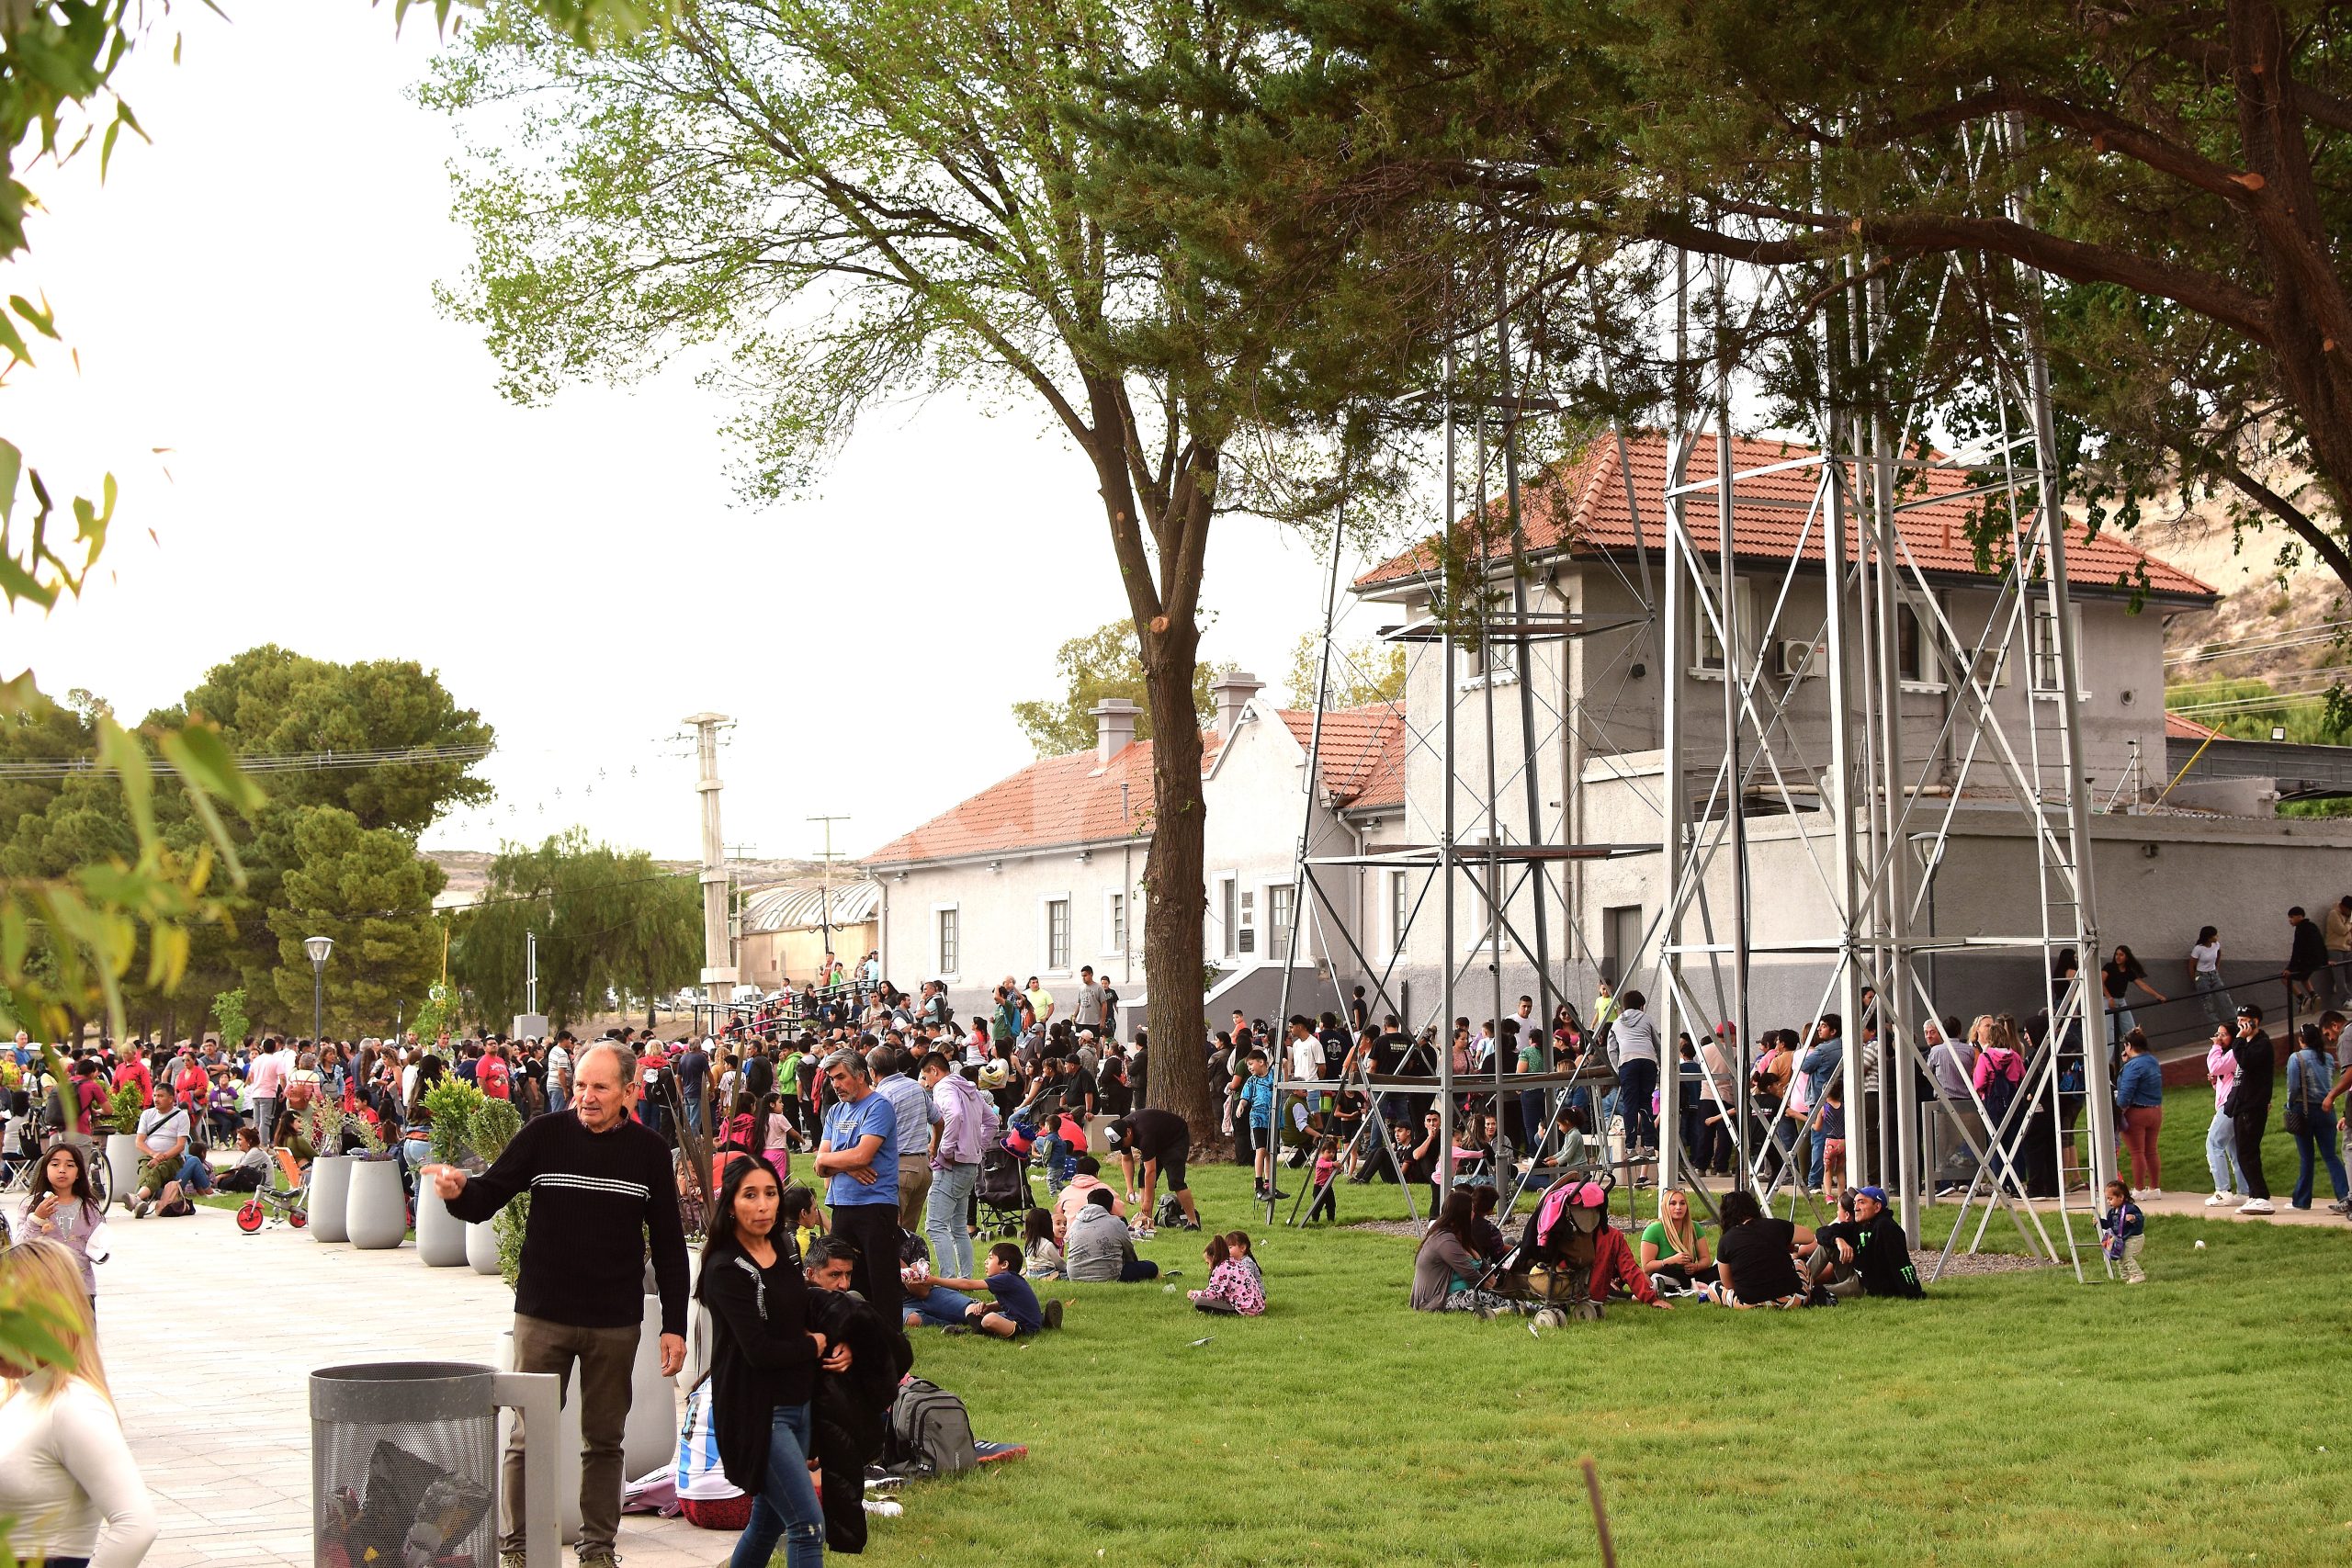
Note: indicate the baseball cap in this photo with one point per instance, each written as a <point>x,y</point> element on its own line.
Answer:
<point>1875,1194</point>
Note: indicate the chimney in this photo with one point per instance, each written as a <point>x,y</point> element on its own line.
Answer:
<point>1231,695</point>
<point>1114,727</point>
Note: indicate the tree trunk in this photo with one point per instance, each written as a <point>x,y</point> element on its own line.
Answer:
<point>1174,897</point>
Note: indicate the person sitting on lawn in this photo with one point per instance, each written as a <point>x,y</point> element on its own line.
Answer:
<point>1485,1236</point>
<point>169,1170</point>
<point>1086,1180</point>
<point>1098,1246</point>
<point>943,1301</point>
<point>1867,1252</point>
<point>1447,1274</point>
<point>250,1173</point>
<point>1234,1289</point>
<point>1043,1260</point>
<point>1755,1261</point>
<point>1674,1248</point>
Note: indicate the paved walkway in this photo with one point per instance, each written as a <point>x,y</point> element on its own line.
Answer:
<point>209,1337</point>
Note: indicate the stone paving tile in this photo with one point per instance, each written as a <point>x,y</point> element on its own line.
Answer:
<point>209,1337</point>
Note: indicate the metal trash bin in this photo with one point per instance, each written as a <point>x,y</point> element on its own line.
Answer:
<point>404,1465</point>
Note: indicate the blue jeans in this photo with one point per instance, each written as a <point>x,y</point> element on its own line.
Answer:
<point>2319,1134</point>
<point>786,1507</point>
<point>1638,1080</point>
<point>1061,1162</point>
<point>943,1224</point>
<point>2221,1155</point>
<point>2214,997</point>
<point>942,1307</point>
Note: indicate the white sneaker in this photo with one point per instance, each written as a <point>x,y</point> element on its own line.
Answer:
<point>2153,1192</point>
<point>2218,1199</point>
<point>2256,1206</point>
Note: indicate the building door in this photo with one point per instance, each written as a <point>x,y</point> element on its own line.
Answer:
<point>1621,941</point>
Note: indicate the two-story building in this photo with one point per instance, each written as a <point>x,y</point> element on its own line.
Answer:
<point>1038,874</point>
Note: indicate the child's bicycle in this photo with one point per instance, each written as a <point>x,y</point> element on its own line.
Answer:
<point>275,1205</point>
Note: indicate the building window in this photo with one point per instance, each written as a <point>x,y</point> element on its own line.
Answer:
<point>2043,662</point>
<point>1494,655</point>
<point>1707,649</point>
<point>949,942</point>
<point>1114,922</point>
<point>1400,910</point>
<point>1230,917</point>
<point>1057,934</point>
<point>1282,901</point>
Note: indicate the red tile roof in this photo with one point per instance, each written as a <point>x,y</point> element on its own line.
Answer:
<point>2180,726</point>
<point>1580,502</point>
<point>1075,799</point>
<point>1362,750</point>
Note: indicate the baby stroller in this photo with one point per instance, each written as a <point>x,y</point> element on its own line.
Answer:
<point>1003,1192</point>
<point>1554,1256</point>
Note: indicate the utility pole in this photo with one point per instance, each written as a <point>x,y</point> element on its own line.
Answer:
<point>718,954</point>
<point>825,882</point>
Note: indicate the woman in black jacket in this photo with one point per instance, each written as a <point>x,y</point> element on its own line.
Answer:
<point>764,1358</point>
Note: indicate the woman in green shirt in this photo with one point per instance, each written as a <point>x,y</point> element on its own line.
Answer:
<point>1675,1252</point>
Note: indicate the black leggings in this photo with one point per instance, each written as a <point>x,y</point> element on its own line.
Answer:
<point>1686,1277</point>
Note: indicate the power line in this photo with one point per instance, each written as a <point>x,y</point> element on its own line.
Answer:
<point>2325,631</point>
<point>279,762</point>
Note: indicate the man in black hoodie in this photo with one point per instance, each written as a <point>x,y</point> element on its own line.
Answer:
<point>2248,1106</point>
<point>1871,1246</point>
<point>850,1415</point>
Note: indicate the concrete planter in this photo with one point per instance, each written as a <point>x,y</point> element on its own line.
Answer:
<point>440,1234</point>
<point>375,1210</point>
<point>123,1166</point>
<point>329,1195</point>
<point>481,1247</point>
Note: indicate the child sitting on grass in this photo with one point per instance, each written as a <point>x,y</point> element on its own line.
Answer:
<point>1014,1313</point>
<point>1043,1259</point>
<point>1235,1288</point>
<point>2123,1229</point>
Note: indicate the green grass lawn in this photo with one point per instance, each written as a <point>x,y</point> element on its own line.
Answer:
<point>2180,1148</point>
<point>2009,1418</point>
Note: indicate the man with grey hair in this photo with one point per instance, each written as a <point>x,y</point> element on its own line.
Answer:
<point>859,1158</point>
<point>913,1109</point>
<point>600,1183</point>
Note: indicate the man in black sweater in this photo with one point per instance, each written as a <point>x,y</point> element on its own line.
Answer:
<point>599,1181</point>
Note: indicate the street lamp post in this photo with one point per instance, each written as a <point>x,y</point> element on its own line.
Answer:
<point>318,947</point>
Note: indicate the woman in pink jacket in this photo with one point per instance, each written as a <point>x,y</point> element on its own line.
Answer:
<point>2220,1136</point>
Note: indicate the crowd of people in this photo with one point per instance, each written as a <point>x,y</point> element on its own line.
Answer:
<point>850,1134</point>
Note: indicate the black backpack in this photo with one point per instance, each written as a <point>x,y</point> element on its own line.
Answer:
<point>931,1432</point>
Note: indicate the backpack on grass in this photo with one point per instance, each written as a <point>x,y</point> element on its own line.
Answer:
<point>931,1432</point>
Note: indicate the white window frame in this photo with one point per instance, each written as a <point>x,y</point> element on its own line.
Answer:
<point>940,972</point>
<point>1927,665</point>
<point>1494,662</point>
<point>1282,946</point>
<point>1114,922</point>
<point>1224,941</point>
<point>2041,644</point>
<point>1045,964</point>
<point>1703,644</point>
<point>1398,908</point>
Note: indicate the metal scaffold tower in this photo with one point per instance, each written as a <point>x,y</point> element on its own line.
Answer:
<point>1797,577</point>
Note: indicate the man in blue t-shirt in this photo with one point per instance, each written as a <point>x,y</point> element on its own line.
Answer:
<point>859,1157</point>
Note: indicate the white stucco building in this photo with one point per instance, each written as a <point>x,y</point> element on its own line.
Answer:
<point>1037,874</point>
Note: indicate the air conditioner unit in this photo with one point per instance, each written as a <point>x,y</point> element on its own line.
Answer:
<point>1799,660</point>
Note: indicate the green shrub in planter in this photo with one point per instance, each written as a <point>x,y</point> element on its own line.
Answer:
<point>123,1107</point>
<point>451,1104</point>
<point>495,1123</point>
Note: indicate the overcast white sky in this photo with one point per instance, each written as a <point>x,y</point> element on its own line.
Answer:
<point>253,293</point>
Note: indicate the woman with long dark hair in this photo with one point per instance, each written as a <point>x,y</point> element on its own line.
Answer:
<point>2116,978</point>
<point>764,1360</point>
<point>1448,1267</point>
<point>64,1210</point>
<point>2310,1071</point>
